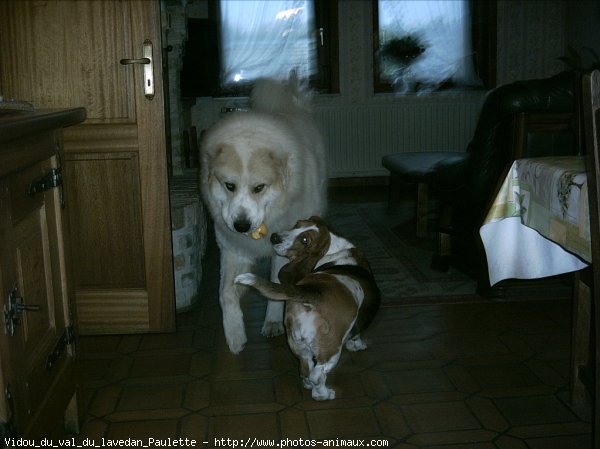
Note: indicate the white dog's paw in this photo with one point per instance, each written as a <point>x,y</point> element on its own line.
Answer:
<point>356,344</point>
<point>235,334</point>
<point>236,342</point>
<point>272,329</point>
<point>245,279</point>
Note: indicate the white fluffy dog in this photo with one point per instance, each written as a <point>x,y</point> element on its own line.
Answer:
<point>261,171</point>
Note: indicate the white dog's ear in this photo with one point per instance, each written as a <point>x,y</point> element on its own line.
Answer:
<point>215,153</point>
<point>210,174</point>
<point>283,167</point>
<point>209,161</point>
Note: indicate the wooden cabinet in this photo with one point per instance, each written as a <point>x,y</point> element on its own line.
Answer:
<point>36,344</point>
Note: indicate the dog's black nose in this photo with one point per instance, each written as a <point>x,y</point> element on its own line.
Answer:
<point>275,238</point>
<point>242,225</point>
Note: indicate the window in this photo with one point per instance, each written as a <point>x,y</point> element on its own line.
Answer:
<point>272,38</point>
<point>266,39</point>
<point>432,45</point>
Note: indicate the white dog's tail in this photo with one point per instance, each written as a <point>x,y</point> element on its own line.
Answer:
<point>285,96</point>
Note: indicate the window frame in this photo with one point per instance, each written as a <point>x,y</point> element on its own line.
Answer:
<point>327,78</point>
<point>483,35</point>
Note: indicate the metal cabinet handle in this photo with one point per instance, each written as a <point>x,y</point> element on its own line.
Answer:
<point>13,308</point>
<point>148,64</point>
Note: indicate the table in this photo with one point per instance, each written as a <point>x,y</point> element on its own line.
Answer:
<point>538,225</point>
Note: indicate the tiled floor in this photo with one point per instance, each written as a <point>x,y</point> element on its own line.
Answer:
<point>478,376</point>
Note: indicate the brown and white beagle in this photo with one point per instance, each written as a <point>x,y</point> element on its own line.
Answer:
<point>330,296</point>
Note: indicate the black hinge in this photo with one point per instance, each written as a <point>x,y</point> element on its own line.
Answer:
<point>49,181</point>
<point>66,339</point>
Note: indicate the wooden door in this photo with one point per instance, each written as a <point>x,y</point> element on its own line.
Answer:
<point>36,342</point>
<point>67,54</point>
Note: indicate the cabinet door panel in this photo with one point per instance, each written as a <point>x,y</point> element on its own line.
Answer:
<point>35,279</point>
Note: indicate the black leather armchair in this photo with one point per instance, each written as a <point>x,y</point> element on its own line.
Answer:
<point>521,119</point>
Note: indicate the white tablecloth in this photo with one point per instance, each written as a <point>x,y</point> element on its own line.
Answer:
<point>538,225</point>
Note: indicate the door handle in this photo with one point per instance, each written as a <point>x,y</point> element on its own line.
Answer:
<point>135,61</point>
<point>148,64</point>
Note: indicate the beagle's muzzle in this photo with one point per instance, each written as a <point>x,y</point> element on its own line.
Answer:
<point>330,296</point>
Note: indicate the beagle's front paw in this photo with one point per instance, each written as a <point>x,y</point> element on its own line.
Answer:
<point>245,279</point>
<point>322,393</point>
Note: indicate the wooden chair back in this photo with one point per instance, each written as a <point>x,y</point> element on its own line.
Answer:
<point>591,135</point>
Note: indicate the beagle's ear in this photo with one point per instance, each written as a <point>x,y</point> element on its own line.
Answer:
<point>288,275</point>
<point>319,221</point>
<point>293,272</point>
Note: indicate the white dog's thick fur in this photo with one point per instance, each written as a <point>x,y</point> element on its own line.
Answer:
<point>267,166</point>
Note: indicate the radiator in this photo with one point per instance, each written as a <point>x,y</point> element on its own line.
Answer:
<point>357,136</point>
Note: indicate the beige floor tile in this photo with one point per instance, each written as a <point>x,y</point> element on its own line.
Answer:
<point>440,417</point>
<point>531,410</point>
<point>342,423</point>
<point>244,427</point>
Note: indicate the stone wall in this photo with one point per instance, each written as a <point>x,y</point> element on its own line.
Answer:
<point>188,217</point>
<point>188,225</point>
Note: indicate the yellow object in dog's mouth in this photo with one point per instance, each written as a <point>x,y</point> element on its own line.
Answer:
<point>260,232</point>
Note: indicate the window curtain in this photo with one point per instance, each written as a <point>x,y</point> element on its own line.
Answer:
<point>266,39</point>
<point>425,44</point>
